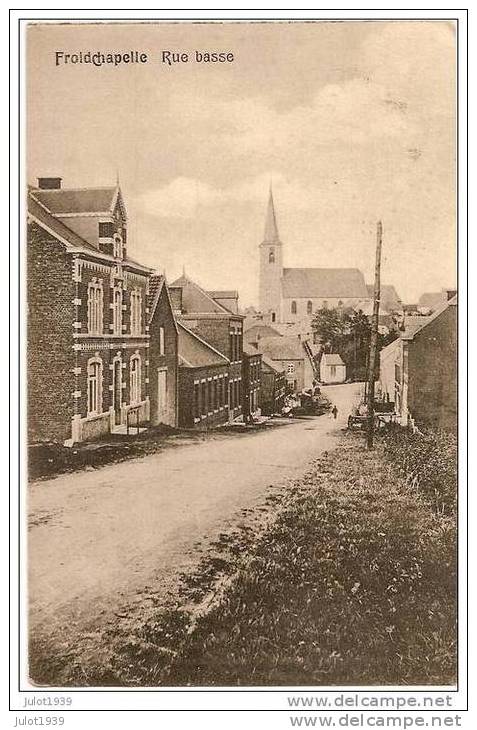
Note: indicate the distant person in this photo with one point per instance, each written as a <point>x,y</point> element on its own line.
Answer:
<point>334,411</point>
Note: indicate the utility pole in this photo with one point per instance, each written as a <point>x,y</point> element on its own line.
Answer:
<point>374,336</point>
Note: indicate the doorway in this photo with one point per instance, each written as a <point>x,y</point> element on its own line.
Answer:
<point>161,395</point>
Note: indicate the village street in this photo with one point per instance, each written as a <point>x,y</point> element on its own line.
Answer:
<point>99,539</point>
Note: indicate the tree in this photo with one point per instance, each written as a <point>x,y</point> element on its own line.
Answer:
<point>329,327</point>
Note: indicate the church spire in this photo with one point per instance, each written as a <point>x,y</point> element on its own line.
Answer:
<point>271,228</point>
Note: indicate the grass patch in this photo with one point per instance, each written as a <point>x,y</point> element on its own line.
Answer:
<point>351,580</point>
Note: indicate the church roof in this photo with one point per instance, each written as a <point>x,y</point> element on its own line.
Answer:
<point>322,283</point>
<point>195,299</point>
<point>271,229</point>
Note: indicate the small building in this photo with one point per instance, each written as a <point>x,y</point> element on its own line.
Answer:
<point>163,354</point>
<point>203,382</point>
<point>273,387</point>
<point>332,369</point>
<point>251,380</point>
<point>418,371</point>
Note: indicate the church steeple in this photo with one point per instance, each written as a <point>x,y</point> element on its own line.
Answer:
<point>271,229</point>
<point>271,266</point>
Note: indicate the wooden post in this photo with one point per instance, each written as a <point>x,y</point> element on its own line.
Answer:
<point>374,336</point>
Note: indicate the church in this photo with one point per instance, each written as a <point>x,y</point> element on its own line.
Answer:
<point>294,295</point>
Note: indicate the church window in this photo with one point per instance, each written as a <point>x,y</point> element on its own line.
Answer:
<point>309,308</point>
<point>325,304</point>
<point>274,316</point>
<point>271,256</point>
<point>293,307</point>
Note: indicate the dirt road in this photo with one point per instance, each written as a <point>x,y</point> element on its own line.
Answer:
<point>99,538</point>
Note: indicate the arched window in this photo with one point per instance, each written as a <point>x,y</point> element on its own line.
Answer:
<point>293,307</point>
<point>135,379</point>
<point>118,247</point>
<point>95,308</point>
<point>117,311</point>
<point>136,312</point>
<point>95,386</point>
<point>271,256</point>
<point>309,308</point>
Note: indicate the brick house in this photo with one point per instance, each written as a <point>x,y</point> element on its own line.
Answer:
<point>273,386</point>
<point>203,382</point>
<point>163,354</point>
<point>251,380</point>
<point>418,371</point>
<point>87,334</point>
<point>218,326</point>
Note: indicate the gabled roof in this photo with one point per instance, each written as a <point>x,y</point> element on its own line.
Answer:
<point>194,352</point>
<point>157,285</point>
<point>196,299</point>
<point>257,331</point>
<point>250,350</point>
<point>410,335</point>
<point>38,213</point>
<point>331,359</point>
<point>323,283</point>
<point>282,348</point>
<point>268,365</point>
<point>77,200</point>
<point>225,294</point>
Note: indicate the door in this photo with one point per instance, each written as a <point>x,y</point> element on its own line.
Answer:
<point>117,391</point>
<point>161,395</point>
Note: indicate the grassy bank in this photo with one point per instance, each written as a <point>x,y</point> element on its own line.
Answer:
<point>350,581</point>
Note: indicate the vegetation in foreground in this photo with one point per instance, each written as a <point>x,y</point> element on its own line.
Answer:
<point>353,582</point>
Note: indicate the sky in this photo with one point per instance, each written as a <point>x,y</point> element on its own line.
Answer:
<point>353,122</point>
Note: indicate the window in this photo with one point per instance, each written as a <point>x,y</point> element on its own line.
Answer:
<point>95,386</point>
<point>117,311</point>
<point>136,312</point>
<point>293,307</point>
<point>95,308</point>
<point>333,370</point>
<point>203,403</point>
<point>161,341</point>
<point>211,396</point>
<point>340,303</point>
<point>273,316</point>
<point>118,247</point>
<point>271,256</point>
<point>325,304</point>
<point>309,308</point>
<point>105,230</point>
<point>196,400</point>
<point>290,368</point>
<point>135,379</point>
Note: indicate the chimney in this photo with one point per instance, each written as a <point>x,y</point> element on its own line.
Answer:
<point>49,183</point>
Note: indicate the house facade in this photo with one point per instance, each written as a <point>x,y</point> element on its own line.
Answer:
<point>203,383</point>
<point>218,326</point>
<point>289,354</point>
<point>163,354</point>
<point>332,369</point>
<point>418,371</point>
<point>273,387</point>
<point>251,380</point>
<point>88,340</point>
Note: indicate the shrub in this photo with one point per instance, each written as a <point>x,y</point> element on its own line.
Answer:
<point>428,462</point>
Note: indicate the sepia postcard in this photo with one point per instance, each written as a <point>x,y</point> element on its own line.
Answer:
<point>241,360</point>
